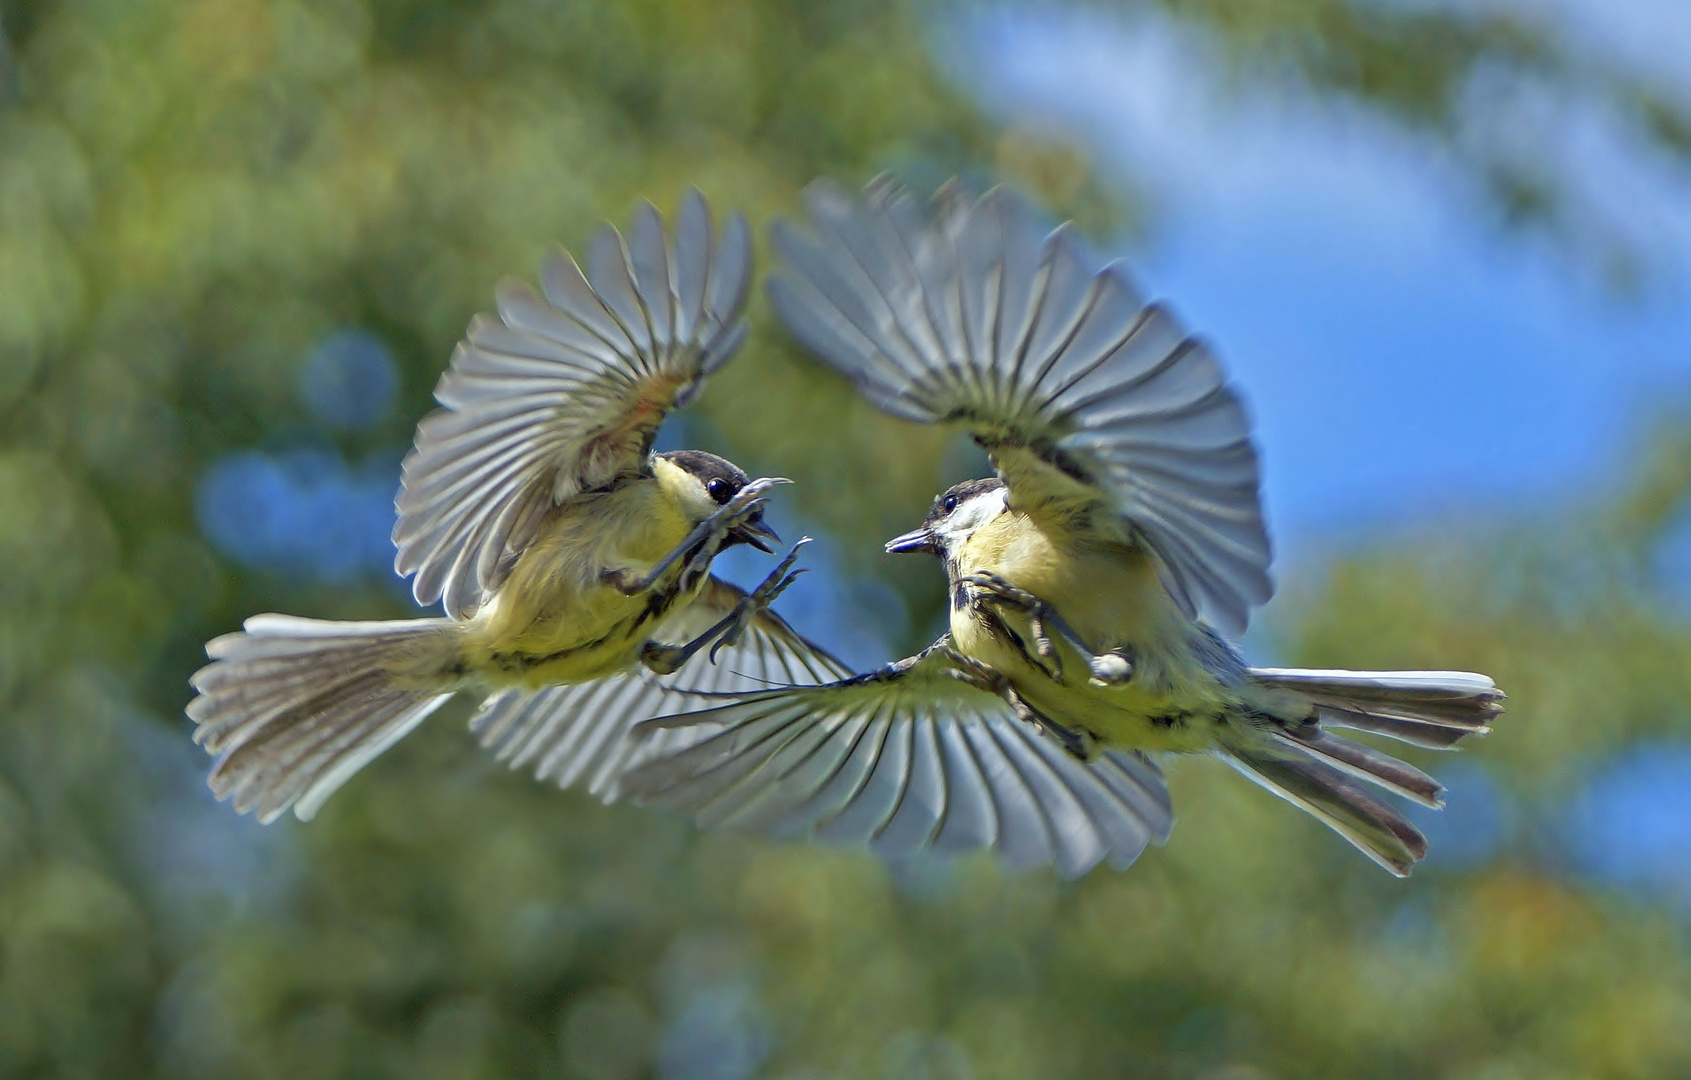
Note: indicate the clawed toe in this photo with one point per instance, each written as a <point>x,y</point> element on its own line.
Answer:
<point>758,600</point>
<point>1081,745</point>
<point>1111,669</point>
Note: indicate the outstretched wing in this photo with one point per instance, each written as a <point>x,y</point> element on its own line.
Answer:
<point>581,734</point>
<point>904,759</point>
<point>1082,392</point>
<point>564,392</point>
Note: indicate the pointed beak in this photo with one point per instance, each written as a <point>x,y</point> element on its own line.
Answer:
<point>918,540</point>
<point>757,534</point>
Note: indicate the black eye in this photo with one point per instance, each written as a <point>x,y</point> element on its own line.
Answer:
<point>719,489</point>
<point>948,504</point>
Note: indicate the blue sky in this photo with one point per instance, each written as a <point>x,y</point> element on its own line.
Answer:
<point>1404,353</point>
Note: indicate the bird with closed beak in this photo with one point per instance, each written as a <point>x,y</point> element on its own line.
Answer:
<point>572,561</point>
<point>1091,581</point>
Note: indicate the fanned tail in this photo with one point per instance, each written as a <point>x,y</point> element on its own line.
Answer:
<point>1328,775</point>
<point>294,707</point>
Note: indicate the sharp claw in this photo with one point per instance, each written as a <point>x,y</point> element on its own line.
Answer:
<point>781,586</point>
<point>759,599</point>
<point>722,643</point>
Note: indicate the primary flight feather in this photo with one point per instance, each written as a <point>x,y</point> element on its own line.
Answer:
<point>1091,580</point>
<point>572,561</point>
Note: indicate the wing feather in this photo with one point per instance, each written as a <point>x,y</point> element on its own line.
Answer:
<point>690,265</point>
<point>902,760</point>
<point>564,392</point>
<point>579,734</point>
<point>652,279</point>
<point>971,820</point>
<point>612,278</point>
<point>971,314</point>
<point>1024,835</point>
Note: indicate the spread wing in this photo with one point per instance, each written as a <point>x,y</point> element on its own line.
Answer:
<point>1082,392</point>
<point>904,759</point>
<point>564,392</point>
<point>581,734</point>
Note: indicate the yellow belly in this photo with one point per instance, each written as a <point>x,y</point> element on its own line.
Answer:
<point>556,619</point>
<point>1112,598</point>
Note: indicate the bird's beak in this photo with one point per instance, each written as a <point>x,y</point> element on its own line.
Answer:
<point>757,534</point>
<point>918,540</point>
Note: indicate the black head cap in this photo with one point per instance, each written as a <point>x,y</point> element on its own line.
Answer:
<point>723,480</point>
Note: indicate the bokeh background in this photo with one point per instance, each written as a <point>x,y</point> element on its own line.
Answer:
<point>1445,245</point>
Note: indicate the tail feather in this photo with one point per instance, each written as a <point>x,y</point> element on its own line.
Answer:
<point>1434,709</point>
<point>1376,829</point>
<point>1320,771</point>
<point>1366,763</point>
<point>294,707</point>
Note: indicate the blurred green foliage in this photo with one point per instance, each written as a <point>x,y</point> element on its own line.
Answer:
<point>193,194</point>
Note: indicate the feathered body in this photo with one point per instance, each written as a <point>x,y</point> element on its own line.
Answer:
<point>570,559</point>
<point>559,618</point>
<point>1110,595</point>
<point>1090,580</point>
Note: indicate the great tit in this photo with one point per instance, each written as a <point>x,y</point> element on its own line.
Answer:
<point>1091,581</point>
<point>572,561</point>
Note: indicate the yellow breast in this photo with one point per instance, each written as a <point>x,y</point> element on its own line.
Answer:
<point>556,619</point>
<point>1110,595</point>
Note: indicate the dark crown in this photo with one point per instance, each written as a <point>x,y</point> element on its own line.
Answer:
<point>958,494</point>
<point>708,467</point>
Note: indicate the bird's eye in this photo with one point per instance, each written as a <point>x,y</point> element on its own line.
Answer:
<point>948,504</point>
<point>719,490</point>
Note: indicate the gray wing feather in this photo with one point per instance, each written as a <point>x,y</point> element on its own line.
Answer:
<point>806,762</point>
<point>970,818</point>
<point>903,760</point>
<point>820,781</point>
<point>613,280</point>
<point>1078,842</point>
<point>579,734</point>
<point>921,807</point>
<point>1024,838</point>
<point>691,264</point>
<point>973,314</point>
<point>725,290</point>
<point>563,392</point>
<point>651,273</point>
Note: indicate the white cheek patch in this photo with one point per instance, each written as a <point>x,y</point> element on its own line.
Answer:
<point>973,514</point>
<point>695,501</point>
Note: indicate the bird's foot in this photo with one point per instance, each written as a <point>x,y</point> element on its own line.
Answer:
<point>1112,668</point>
<point>696,552</point>
<point>662,659</point>
<point>757,601</point>
<point>1081,745</point>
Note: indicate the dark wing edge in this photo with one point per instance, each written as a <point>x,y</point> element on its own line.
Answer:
<point>975,314</point>
<point>564,392</point>
<point>580,735</point>
<point>904,760</point>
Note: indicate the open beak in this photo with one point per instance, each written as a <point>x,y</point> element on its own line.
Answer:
<point>919,540</point>
<point>757,534</point>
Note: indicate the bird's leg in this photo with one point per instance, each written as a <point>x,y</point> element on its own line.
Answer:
<point>1081,745</point>
<point>1111,668</point>
<point>701,545</point>
<point>662,659</point>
